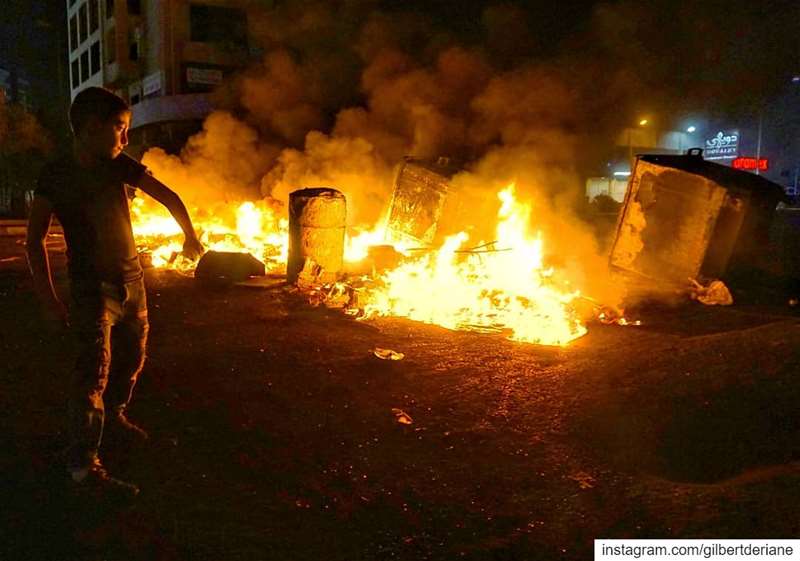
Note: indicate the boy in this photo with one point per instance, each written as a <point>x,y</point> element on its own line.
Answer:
<point>87,192</point>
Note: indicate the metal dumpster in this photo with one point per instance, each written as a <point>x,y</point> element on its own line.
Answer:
<point>684,217</point>
<point>420,191</point>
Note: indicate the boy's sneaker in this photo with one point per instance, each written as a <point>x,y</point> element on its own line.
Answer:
<point>97,482</point>
<point>118,425</point>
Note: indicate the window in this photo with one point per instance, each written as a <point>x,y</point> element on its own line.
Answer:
<point>111,46</point>
<point>94,16</point>
<point>71,3</point>
<point>76,78</point>
<point>133,51</point>
<point>82,23</point>
<point>135,7</point>
<point>95,57</point>
<point>217,24</point>
<point>109,9</point>
<point>84,66</point>
<point>73,33</point>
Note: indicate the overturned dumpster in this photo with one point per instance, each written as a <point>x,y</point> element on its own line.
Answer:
<point>687,218</point>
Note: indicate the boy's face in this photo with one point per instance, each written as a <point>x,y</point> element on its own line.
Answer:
<point>106,139</point>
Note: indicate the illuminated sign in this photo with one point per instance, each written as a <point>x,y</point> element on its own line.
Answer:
<point>724,146</point>
<point>761,164</point>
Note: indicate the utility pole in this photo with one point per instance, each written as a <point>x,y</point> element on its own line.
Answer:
<point>758,145</point>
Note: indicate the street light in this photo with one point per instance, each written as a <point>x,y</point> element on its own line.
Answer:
<point>689,130</point>
<point>642,123</point>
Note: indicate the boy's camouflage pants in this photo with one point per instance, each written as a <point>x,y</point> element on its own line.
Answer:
<point>111,326</point>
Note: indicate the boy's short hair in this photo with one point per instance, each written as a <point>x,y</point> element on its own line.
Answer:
<point>94,102</point>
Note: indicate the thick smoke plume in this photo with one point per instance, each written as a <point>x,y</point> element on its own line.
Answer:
<point>340,97</point>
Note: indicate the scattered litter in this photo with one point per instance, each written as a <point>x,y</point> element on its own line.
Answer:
<point>609,315</point>
<point>793,302</point>
<point>309,276</point>
<point>583,479</point>
<point>387,354</point>
<point>713,294</point>
<point>337,295</point>
<point>10,259</point>
<point>402,417</point>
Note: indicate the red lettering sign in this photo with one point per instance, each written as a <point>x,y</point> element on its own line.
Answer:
<point>762,164</point>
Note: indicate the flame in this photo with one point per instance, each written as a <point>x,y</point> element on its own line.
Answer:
<point>497,286</point>
<point>254,227</point>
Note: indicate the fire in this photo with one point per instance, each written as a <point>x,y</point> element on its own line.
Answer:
<point>498,286</point>
<point>254,227</point>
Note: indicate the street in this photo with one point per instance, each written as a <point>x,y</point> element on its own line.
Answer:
<point>275,432</point>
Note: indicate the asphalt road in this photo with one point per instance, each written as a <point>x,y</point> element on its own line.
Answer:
<point>275,434</point>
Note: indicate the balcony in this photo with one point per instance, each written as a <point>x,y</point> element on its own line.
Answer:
<point>171,108</point>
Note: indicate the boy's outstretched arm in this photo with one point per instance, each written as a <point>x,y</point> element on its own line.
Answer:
<point>192,247</point>
<point>38,226</point>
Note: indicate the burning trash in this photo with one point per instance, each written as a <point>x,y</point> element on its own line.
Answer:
<point>251,227</point>
<point>502,286</point>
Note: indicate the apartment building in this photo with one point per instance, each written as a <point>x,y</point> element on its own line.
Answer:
<point>15,89</point>
<point>162,56</point>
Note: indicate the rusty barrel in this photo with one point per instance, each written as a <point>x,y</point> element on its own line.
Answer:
<point>316,232</point>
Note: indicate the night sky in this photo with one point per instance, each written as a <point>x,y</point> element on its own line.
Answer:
<point>727,61</point>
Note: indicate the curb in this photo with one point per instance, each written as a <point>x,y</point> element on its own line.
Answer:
<point>19,227</point>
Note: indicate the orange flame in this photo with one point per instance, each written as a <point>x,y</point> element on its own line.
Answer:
<point>488,289</point>
<point>499,286</point>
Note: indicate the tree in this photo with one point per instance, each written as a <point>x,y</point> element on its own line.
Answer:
<point>24,144</point>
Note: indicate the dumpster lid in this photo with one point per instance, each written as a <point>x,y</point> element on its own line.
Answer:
<point>443,165</point>
<point>725,176</point>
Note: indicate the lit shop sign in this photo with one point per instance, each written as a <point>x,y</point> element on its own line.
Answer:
<point>761,164</point>
<point>724,146</point>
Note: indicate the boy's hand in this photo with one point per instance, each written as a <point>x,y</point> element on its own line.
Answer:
<point>193,249</point>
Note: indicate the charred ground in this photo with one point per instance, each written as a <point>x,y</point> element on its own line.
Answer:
<point>273,435</point>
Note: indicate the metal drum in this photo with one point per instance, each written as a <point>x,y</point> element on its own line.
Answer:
<point>317,219</point>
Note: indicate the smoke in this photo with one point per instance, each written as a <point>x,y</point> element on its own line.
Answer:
<point>342,95</point>
<point>350,164</point>
<point>224,162</point>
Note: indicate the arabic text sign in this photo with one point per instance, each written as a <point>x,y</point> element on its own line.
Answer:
<point>723,146</point>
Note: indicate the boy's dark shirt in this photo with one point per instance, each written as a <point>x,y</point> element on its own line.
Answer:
<point>92,206</point>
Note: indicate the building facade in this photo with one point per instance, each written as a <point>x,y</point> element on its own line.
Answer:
<point>162,56</point>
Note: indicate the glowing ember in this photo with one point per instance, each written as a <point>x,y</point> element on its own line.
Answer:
<point>486,289</point>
